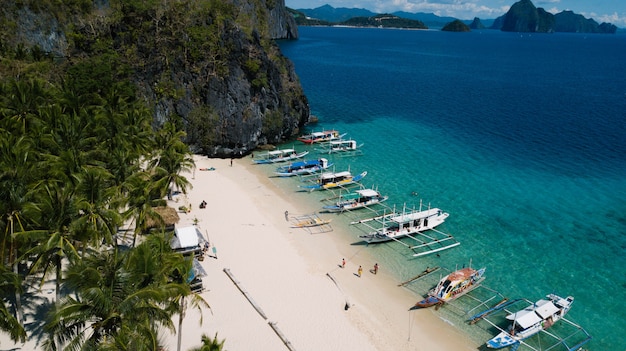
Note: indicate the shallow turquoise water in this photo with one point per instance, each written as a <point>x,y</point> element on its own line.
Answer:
<point>520,138</point>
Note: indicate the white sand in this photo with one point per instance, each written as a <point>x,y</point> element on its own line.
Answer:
<point>284,270</point>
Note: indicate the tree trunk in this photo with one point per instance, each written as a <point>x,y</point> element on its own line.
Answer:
<point>180,321</point>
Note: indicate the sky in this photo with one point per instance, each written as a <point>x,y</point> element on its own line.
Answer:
<point>612,11</point>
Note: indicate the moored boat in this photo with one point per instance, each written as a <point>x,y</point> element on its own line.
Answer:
<point>342,148</point>
<point>531,320</point>
<point>303,167</point>
<point>333,180</point>
<point>356,200</point>
<point>403,224</point>
<point>320,137</point>
<point>276,156</point>
<point>453,286</point>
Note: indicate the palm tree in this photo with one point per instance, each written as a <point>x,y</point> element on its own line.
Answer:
<point>57,211</point>
<point>141,200</point>
<point>9,283</point>
<point>17,171</point>
<point>123,298</point>
<point>19,104</point>
<point>98,218</point>
<point>210,344</point>
<point>172,158</point>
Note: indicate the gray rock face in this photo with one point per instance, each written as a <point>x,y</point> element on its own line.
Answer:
<point>282,24</point>
<point>231,97</point>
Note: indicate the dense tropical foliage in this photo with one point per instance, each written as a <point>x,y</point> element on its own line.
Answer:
<point>77,161</point>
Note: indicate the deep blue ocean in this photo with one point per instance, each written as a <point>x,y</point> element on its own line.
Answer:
<point>520,137</point>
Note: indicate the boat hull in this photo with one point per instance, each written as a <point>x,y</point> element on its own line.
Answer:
<point>427,302</point>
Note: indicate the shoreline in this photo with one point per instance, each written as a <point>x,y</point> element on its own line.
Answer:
<point>294,276</point>
<point>293,281</point>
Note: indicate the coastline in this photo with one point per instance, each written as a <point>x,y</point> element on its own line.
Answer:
<point>293,277</point>
<point>286,271</point>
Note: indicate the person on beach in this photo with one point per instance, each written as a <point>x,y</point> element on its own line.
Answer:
<point>231,162</point>
<point>360,271</point>
<point>343,263</point>
<point>375,268</point>
<point>287,215</point>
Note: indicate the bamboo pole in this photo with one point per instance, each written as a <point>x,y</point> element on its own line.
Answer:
<point>281,336</point>
<point>245,293</point>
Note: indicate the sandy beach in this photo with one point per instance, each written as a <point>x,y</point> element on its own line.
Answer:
<point>287,272</point>
<point>294,278</point>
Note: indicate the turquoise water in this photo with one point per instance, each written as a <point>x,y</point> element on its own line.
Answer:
<point>521,138</point>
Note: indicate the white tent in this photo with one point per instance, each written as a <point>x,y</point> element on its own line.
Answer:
<point>188,237</point>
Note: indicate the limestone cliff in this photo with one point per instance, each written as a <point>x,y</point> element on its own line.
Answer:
<point>210,64</point>
<point>523,16</point>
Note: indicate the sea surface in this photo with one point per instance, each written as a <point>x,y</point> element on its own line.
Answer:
<point>520,137</point>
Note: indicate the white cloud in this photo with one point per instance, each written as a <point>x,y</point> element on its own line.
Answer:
<point>613,18</point>
<point>453,8</point>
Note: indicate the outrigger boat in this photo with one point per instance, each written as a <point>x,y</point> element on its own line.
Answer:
<point>453,286</point>
<point>342,148</point>
<point>416,225</point>
<point>311,222</point>
<point>277,156</point>
<point>531,320</point>
<point>398,225</point>
<point>320,137</point>
<point>335,180</point>
<point>303,167</point>
<point>356,200</point>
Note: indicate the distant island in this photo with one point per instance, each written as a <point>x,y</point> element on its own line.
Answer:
<point>523,16</point>
<point>456,26</point>
<point>375,20</point>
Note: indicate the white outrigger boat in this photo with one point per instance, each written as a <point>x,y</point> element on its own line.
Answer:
<point>303,167</point>
<point>342,148</point>
<point>531,320</point>
<point>359,199</point>
<point>417,224</point>
<point>334,180</point>
<point>320,137</point>
<point>276,156</point>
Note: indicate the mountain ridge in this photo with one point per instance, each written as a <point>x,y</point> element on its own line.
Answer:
<point>328,15</point>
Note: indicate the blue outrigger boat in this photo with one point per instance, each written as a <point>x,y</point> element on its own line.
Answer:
<point>304,167</point>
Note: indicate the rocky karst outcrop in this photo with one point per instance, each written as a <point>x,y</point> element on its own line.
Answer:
<point>212,64</point>
<point>523,16</point>
<point>476,24</point>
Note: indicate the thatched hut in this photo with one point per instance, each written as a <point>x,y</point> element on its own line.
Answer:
<point>166,219</point>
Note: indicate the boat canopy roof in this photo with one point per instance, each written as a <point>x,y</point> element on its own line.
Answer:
<point>367,192</point>
<point>342,142</point>
<point>335,175</point>
<point>411,216</point>
<point>545,308</point>
<point>280,152</point>
<point>534,314</point>
<point>525,318</point>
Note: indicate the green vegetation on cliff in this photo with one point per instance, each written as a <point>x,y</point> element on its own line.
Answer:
<point>178,57</point>
<point>384,21</point>
<point>95,99</point>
